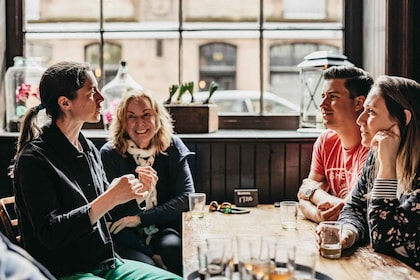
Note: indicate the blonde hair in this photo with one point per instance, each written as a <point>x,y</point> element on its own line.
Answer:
<point>118,127</point>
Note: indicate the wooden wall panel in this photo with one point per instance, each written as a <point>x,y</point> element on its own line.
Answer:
<point>218,172</point>
<point>292,180</point>
<point>277,171</point>
<point>233,176</point>
<point>202,175</point>
<point>262,171</point>
<point>247,166</point>
<point>305,159</point>
<point>275,166</point>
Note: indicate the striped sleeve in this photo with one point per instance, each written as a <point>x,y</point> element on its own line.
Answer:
<point>385,188</point>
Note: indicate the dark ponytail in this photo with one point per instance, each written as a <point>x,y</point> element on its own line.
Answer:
<point>29,128</point>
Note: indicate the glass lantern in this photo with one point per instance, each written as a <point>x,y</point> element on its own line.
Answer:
<point>311,84</point>
<point>115,89</point>
<point>22,89</point>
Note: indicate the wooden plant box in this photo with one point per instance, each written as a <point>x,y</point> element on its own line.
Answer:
<point>194,118</point>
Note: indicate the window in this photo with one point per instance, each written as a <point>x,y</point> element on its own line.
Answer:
<point>217,63</point>
<point>111,56</point>
<point>284,75</point>
<point>242,46</point>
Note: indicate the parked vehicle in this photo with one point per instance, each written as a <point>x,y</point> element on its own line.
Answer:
<point>246,102</point>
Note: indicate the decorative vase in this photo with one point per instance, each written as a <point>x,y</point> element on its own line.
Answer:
<point>22,89</point>
<point>115,89</point>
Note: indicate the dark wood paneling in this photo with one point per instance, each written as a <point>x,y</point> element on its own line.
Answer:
<point>262,170</point>
<point>277,170</point>
<point>233,178</point>
<point>218,171</point>
<point>247,166</point>
<point>353,28</point>
<point>400,19</point>
<point>275,166</point>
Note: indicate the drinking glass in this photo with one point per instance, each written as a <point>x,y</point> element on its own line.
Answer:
<point>303,262</point>
<point>197,203</point>
<point>288,213</point>
<point>219,258</point>
<point>331,232</point>
<point>248,253</point>
<point>283,260</point>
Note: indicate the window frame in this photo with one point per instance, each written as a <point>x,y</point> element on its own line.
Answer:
<point>353,49</point>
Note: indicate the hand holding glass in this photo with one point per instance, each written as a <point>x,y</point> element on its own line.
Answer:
<point>330,233</point>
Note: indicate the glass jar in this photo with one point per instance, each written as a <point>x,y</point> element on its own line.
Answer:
<point>115,89</point>
<point>22,89</point>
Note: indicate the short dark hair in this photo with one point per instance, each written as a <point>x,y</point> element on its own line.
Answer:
<point>358,81</point>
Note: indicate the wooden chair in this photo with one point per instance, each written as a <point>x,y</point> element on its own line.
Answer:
<point>9,219</point>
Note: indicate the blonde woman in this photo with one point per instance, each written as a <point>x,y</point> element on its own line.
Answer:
<point>142,143</point>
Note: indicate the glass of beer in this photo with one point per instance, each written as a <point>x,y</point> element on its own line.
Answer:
<point>331,232</point>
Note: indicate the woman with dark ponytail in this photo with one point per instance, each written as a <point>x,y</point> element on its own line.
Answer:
<point>62,194</point>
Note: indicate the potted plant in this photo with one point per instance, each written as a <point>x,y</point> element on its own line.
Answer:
<point>192,116</point>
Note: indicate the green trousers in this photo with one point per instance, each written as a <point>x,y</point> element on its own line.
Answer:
<point>132,270</point>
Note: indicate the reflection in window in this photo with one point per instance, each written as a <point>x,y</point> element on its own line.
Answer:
<point>217,63</point>
<point>112,57</point>
<point>41,49</point>
<point>284,75</point>
<point>171,41</point>
<point>305,9</point>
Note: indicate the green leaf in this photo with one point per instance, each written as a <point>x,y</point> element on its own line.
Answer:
<point>172,91</point>
<point>212,88</point>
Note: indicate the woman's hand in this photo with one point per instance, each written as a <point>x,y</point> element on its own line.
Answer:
<point>121,190</point>
<point>387,143</point>
<point>347,238</point>
<point>126,188</point>
<point>147,176</point>
<point>128,221</point>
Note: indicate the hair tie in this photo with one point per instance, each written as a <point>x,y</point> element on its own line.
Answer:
<point>40,107</point>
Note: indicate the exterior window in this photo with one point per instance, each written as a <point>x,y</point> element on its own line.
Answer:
<point>112,57</point>
<point>217,63</point>
<point>250,46</point>
<point>305,9</point>
<point>284,75</point>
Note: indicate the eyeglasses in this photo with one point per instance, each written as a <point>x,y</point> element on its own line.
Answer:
<point>226,208</point>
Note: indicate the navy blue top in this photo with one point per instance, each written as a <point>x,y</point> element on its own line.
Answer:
<point>174,184</point>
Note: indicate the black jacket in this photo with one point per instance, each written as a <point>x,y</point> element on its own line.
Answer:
<point>54,184</point>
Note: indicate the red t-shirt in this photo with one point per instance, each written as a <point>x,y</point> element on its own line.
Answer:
<point>340,167</point>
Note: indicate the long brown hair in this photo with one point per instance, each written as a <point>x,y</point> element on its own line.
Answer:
<point>403,94</point>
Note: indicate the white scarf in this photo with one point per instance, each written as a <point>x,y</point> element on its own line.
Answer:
<point>144,157</point>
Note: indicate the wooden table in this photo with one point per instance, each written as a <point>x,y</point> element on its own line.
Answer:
<point>265,219</point>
